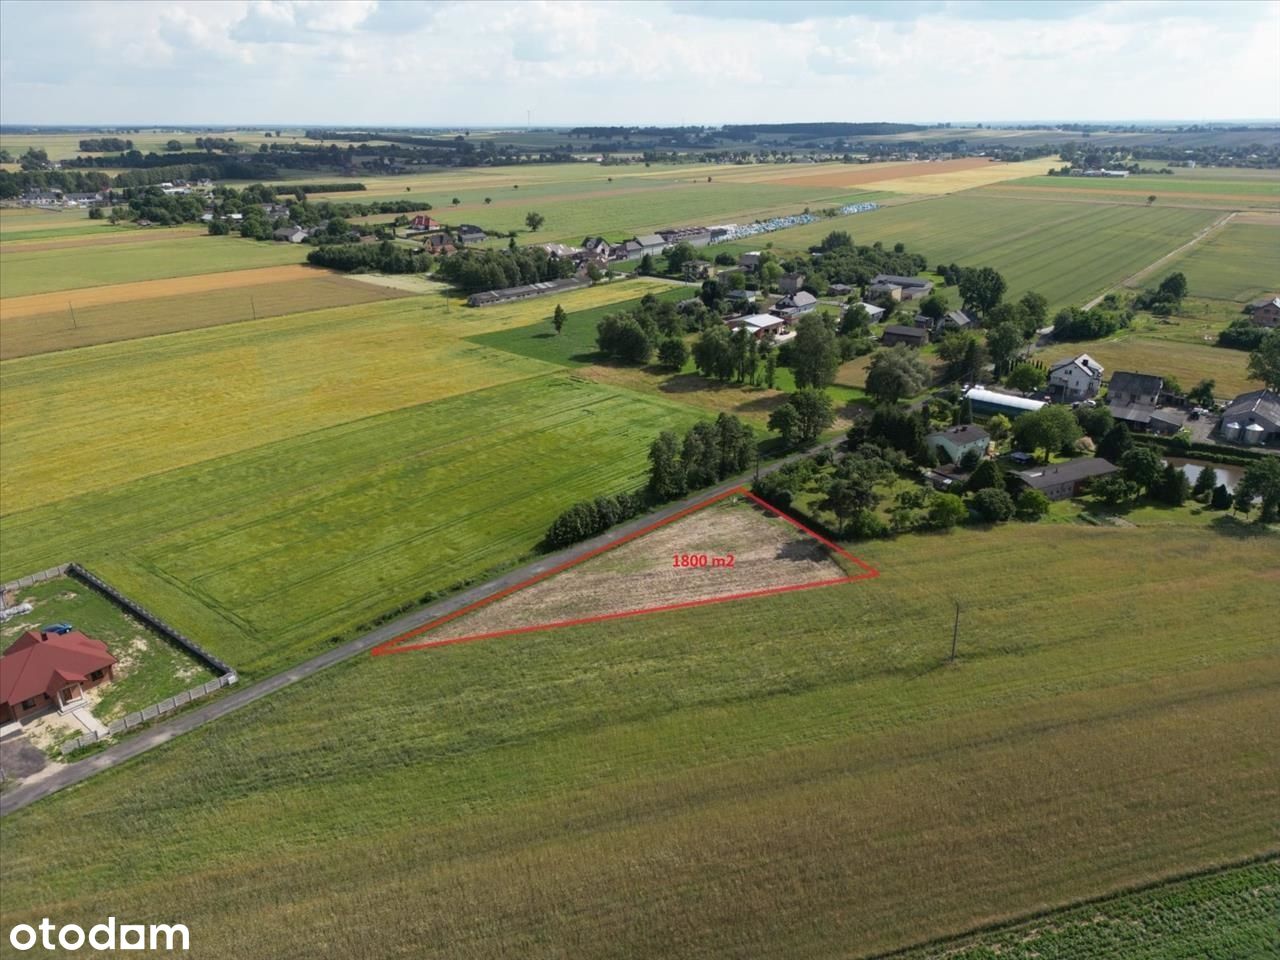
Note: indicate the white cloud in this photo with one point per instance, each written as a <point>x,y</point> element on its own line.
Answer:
<point>382,62</point>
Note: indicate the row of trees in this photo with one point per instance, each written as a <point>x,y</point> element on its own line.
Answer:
<point>384,257</point>
<point>473,271</point>
<point>633,336</point>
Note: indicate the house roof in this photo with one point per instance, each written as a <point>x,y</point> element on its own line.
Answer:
<point>1136,383</point>
<point>898,330</point>
<point>901,281</point>
<point>962,434</point>
<point>958,318</point>
<point>1085,362</point>
<point>1132,412</point>
<point>1255,404</point>
<point>982,395</point>
<point>872,309</point>
<point>1072,471</point>
<point>801,298</point>
<point>651,240</point>
<point>41,662</point>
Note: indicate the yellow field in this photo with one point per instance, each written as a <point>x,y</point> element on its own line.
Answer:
<point>139,408</point>
<point>954,180</point>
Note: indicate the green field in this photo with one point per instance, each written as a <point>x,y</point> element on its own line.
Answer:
<point>1246,190</point>
<point>1226,915</point>
<point>1067,251</point>
<point>797,775</point>
<point>44,271</point>
<point>1240,262</point>
<point>129,319</point>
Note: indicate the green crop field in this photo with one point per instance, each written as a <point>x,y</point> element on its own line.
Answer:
<point>24,272</point>
<point>126,320</point>
<point>1067,251</point>
<point>1229,914</point>
<point>798,775</point>
<point>1240,262</point>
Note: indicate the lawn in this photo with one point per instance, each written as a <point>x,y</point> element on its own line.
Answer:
<point>797,775</point>
<point>42,271</point>
<point>130,319</point>
<point>1240,262</point>
<point>1066,251</point>
<point>149,668</point>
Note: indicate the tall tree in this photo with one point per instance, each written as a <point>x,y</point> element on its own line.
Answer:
<point>666,479</point>
<point>1004,341</point>
<point>534,220</point>
<point>896,373</point>
<point>558,318</point>
<point>815,355</point>
<point>1264,362</point>
<point>981,289</point>
<point>1261,481</point>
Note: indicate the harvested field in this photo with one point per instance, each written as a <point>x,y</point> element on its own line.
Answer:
<point>766,553</point>
<point>12,308</point>
<point>129,319</point>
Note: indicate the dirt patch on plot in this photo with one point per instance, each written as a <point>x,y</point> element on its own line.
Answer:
<point>765,550</point>
<point>37,303</point>
<point>1266,218</point>
<point>106,239</point>
<point>857,175</point>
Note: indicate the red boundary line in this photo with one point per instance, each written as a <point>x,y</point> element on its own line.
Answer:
<point>397,644</point>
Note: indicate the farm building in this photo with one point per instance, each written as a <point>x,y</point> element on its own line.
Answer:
<point>470,233</point>
<point>694,236</point>
<point>651,243</point>
<point>989,402</point>
<point>749,261</point>
<point>839,290</point>
<point>290,234</point>
<point>762,325</point>
<point>953,444</point>
<point>50,669</point>
<point>488,298</point>
<point>1133,398</point>
<point>908,288</point>
<point>896,333</point>
<point>874,313</point>
<point>1061,481</point>
<point>1076,379</point>
<point>1252,418</point>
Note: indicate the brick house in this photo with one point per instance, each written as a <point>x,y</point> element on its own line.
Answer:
<point>50,669</point>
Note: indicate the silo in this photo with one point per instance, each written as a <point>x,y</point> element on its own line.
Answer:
<point>1231,431</point>
<point>1253,433</point>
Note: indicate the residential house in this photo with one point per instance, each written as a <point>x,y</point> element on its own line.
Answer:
<point>1133,397</point>
<point>50,669</point>
<point>896,333</point>
<point>953,444</point>
<point>290,234</point>
<point>598,247</point>
<point>1076,379</point>
<point>959,320</point>
<point>560,251</point>
<point>1061,481</point>
<point>696,270</point>
<point>987,403</point>
<point>891,290</point>
<point>1252,418</point>
<point>909,288</point>
<point>630,250</point>
<point>1266,313</point>
<point>750,261</point>
<point>795,304</point>
<point>791,282</point>
<point>839,290</point>
<point>438,243</point>
<point>423,224</point>
<point>874,313</point>
<point>470,233</point>
<point>739,297</point>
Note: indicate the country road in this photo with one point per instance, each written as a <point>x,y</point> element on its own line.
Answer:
<point>1203,232</point>
<point>72,773</point>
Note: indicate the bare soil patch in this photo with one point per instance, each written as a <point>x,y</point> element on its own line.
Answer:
<point>37,303</point>
<point>766,551</point>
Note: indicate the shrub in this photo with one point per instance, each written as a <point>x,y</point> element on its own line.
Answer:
<point>993,505</point>
<point>1031,505</point>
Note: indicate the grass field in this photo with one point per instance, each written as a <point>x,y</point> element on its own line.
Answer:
<point>1240,262</point>
<point>1224,915</point>
<point>42,271</point>
<point>799,775</point>
<point>1066,251</point>
<point>1238,193</point>
<point>144,317</point>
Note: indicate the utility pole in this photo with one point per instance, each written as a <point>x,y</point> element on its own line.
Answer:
<point>955,632</point>
<point>253,307</point>
<point>74,325</point>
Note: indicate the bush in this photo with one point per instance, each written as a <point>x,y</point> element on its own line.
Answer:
<point>590,517</point>
<point>993,505</point>
<point>673,353</point>
<point>1031,505</point>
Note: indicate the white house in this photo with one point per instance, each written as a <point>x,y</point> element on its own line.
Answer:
<point>953,444</point>
<point>1076,379</point>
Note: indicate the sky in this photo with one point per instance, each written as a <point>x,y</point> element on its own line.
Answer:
<point>498,63</point>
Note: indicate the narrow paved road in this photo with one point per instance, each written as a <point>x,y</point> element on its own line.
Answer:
<point>73,773</point>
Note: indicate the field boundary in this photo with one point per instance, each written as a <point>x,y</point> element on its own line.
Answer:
<point>398,644</point>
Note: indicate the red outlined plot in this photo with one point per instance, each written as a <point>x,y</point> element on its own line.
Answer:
<point>410,640</point>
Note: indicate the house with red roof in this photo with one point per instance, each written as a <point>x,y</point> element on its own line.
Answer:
<point>50,669</point>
